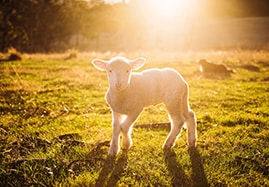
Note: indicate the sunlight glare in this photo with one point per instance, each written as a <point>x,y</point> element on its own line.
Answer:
<point>166,23</point>
<point>171,9</point>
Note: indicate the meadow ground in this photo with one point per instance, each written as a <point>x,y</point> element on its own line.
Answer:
<point>55,125</point>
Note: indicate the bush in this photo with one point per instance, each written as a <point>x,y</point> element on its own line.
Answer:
<point>13,54</point>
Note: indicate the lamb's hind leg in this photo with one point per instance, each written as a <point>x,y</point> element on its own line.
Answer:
<point>191,128</point>
<point>177,121</point>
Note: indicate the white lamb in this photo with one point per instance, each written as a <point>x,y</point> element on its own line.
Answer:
<point>130,92</point>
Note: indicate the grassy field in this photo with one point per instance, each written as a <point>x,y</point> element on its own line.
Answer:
<point>55,125</point>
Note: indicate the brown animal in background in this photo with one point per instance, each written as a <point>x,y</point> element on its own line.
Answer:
<point>206,66</point>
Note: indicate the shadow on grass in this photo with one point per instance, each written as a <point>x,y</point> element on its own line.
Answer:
<point>112,170</point>
<point>16,169</point>
<point>178,176</point>
<point>198,173</point>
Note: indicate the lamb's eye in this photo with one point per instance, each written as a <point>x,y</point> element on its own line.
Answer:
<point>127,71</point>
<point>110,71</point>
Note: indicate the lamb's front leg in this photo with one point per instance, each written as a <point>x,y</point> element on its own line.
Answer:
<point>126,129</point>
<point>116,125</point>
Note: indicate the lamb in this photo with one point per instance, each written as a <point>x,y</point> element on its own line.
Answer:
<point>129,92</point>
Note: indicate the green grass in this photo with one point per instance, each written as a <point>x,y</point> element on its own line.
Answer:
<point>55,125</point>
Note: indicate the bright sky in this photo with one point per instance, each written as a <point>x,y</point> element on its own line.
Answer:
<point>114,1</point>
<point>167,7</point>
<point>166,19</point>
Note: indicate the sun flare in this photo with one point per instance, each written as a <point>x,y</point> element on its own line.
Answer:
<point>171,9</point>
<point>165,23</point>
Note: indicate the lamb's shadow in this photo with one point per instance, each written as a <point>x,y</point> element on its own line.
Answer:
<point>178,176</point>
<point>198,173</point>
<point>112,170</point>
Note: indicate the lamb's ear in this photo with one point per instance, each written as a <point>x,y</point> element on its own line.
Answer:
<point>138,63</point>
<point>99,64</point>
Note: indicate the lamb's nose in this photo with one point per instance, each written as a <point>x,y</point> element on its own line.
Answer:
<point>118,85</point>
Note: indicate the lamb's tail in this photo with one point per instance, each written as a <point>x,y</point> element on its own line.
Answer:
<point>190,119</point>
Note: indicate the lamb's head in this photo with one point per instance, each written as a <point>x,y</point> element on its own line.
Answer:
<point>202,63</point>
<point>119,70</point>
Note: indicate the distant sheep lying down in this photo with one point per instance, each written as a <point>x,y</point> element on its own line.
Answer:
<point>129,92</point>
<point>206,66</point>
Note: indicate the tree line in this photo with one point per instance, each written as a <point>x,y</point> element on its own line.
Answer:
<point>43,25</point>
<point>47,25</point>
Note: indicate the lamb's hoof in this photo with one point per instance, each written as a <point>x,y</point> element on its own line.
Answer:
<point>126,147</point>
<point>192,144</point>
<point>126,143</point>
<point>167,147</point>
<point>168,144</point>
<point>113,152</point>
